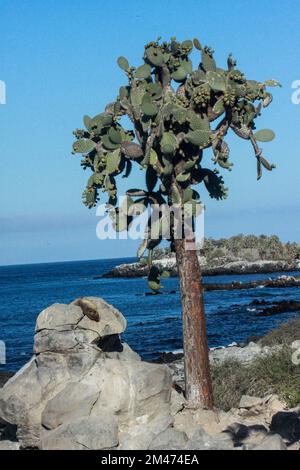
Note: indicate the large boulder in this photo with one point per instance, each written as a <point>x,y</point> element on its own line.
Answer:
<point>84,388</point>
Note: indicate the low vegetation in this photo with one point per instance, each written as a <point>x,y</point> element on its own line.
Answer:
<point>286,333</point>
<point>275,373</point>
<point>246,248</point>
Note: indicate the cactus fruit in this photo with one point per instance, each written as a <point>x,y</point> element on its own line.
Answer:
<point>197,44</point>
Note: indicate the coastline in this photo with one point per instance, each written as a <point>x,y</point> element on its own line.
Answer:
<point>135,270</point>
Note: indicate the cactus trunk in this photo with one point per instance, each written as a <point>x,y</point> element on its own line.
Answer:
<point>198,385</point>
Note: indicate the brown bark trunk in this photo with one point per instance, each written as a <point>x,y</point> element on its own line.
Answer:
<point>198,385</point>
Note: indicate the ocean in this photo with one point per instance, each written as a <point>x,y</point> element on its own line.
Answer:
<point>154,322</point>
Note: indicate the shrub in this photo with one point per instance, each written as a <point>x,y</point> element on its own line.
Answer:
<point>274,373</point>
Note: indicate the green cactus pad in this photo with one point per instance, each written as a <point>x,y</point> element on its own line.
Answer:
<point>123,63</point>
<point>216,81</point>
<point>148,106</point>
<point>180,74</point>
<point>113,161</point>
<point>219,107</point>
<point>198,137</point>
<point>168,143</point>
<point>197,44</point>
<point>83,146</point>
<point>108,144</point>
<point>155,56</point>
<point>142,72</point>
<point>155,90</point>
<point>115,135</point>
<point>87,121</point>
<point>265,135</point>
<point>155,286</point>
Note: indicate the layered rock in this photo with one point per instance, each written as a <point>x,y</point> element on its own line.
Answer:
<point>83,388</point>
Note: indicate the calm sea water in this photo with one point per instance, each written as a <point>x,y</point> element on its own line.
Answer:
<point>154,322</point>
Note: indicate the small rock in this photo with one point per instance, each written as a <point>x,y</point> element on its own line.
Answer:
<point>177,402</point>
<point>249,402</point>
<point>9,445</point>
<point>190,420</point>
<point>274,404</point>
<point>88,433</point>
<point>170,439</point>
<point>295,344</point>
<point>203,441</point>
<point>140,435</point>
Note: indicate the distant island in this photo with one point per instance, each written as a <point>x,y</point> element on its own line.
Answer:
<point>240,254</point>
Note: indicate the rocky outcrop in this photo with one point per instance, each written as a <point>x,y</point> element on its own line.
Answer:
<point>235,267</point>
<point>83,388</point>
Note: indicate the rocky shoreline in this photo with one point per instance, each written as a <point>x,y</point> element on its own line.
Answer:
<point>134,270</point>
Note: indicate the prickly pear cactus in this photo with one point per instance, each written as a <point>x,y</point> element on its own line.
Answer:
<point>176,112</point>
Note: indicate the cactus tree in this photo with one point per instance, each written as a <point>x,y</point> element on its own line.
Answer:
<point>176,113</point>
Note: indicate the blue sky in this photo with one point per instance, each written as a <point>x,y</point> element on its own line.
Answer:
<point>58,60</point>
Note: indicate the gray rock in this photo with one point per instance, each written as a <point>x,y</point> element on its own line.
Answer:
<point>82,375</point>
<point>9,445</point>
<point>75,401</point>
<point>140,435</point>
<point>58,317</point>
<point>249,402</point>
<point>170,439</point>
<point>130,389</point>
<point>243,355</point>
<point>178,402</point>
<point>203,441</point>
<point>272,442</point>
<point>29,435</point>
<point>111,321</point>
<point>21,396</point>
<point>93,433</point>
<point>63,341</point>
<point>62,317</point>
<point>295,344</point>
